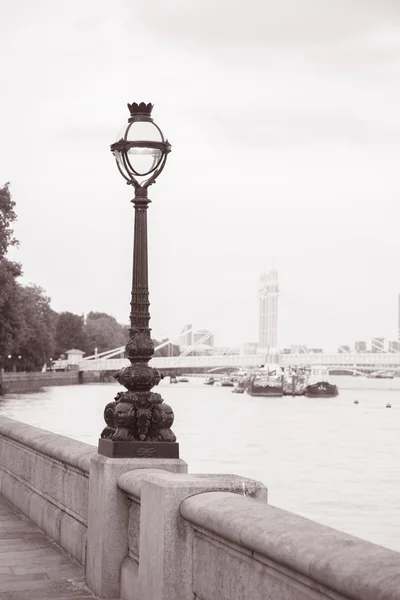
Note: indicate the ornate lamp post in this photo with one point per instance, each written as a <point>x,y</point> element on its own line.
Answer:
<point>138,421</point>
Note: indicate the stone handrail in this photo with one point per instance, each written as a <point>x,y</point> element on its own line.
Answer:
<point>311,555</point>
<point>59,447</point>
<point>131,482</point>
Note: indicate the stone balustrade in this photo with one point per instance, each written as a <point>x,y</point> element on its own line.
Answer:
<point>146,529</point>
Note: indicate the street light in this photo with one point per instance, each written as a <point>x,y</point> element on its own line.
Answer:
<point>138,421</point>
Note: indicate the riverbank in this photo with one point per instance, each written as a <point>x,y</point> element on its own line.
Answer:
<point>33,382</point>
<point>15,383</point>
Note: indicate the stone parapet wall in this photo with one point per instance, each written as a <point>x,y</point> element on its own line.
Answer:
<point>246,549</point>
<point>46,476</point>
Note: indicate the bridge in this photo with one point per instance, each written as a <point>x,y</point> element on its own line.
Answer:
<point>353,361</point>
<point>187,361</point>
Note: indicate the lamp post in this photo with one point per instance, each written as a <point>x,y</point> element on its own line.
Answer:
<point>138,421</point>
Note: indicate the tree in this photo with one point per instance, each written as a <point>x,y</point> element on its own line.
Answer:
<point>10,315</point>
<point>102,331</point>
<point>69,333</point>
<point>35,343</point>
<point>7,218</point>
<point>10,318</point>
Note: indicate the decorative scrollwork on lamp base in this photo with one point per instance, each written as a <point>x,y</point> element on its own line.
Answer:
<point>138,421</point>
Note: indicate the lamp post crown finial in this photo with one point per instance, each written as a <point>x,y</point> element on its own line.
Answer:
<point>140,109</point>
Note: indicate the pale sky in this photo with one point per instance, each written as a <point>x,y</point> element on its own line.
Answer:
<point>284,122</point>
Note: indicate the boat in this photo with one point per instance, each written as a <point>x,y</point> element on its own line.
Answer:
<point>319,385</point>
<point>266,381</point>
<point>226,382</point>
<point>294,382</point>
<point>381,375</point>
<point>209,381</point>
<point>242,383</point>
<point>183,380</point>
<point>173,379</point>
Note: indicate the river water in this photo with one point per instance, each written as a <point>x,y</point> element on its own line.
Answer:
<point>330,460</point>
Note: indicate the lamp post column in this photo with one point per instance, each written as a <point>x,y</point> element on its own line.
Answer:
<point>140,347</point>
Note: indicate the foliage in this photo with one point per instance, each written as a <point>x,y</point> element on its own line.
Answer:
<point>35,343</point>
<point>69,333</point>
<point>10,316</point>
<point>103,332</point>
<point>7,218</point>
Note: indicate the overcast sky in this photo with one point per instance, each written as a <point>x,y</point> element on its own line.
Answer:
<point>284,122</point>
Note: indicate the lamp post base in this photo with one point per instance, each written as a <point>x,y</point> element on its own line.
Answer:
<point>138,449</point>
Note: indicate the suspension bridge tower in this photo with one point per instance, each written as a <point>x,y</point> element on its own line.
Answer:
<point>268,317</point>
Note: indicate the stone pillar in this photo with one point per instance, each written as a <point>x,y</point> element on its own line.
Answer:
<point>107,544</point>
<point>165,561</point>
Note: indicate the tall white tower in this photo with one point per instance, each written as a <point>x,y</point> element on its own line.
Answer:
<point>268,320</point>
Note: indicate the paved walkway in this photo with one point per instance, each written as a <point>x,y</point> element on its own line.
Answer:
<point>32,567</point>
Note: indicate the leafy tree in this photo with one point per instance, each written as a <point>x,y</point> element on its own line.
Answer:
<point>69,333</point>
<point>10,315</point>
<point>35,344</point>
<point>7,218</point>
<point>10,318</point>
<point>102,331</point>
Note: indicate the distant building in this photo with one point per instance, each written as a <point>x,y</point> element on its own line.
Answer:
<point>186,337</point>
<point>316,350</point>
<point>204,336</point>
<point>360,347</point>
<point>394,346</point>
<point>74,356</point>
<point>343,349</point>
<point>268,315</point>
<point>378,344</point>
<point>250,348</point>
<point>198,350</point>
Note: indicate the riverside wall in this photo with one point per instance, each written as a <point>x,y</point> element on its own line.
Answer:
<point>146,529</point>
<point>33,382</point>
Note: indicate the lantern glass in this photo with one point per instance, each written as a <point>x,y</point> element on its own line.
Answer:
<point>120,163</point>
<point>144,159</point>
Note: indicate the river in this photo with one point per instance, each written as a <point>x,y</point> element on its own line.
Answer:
<point>330,460</point>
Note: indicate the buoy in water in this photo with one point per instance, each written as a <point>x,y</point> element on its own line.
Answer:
<point>388,405</point>
<point>355,401</point>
